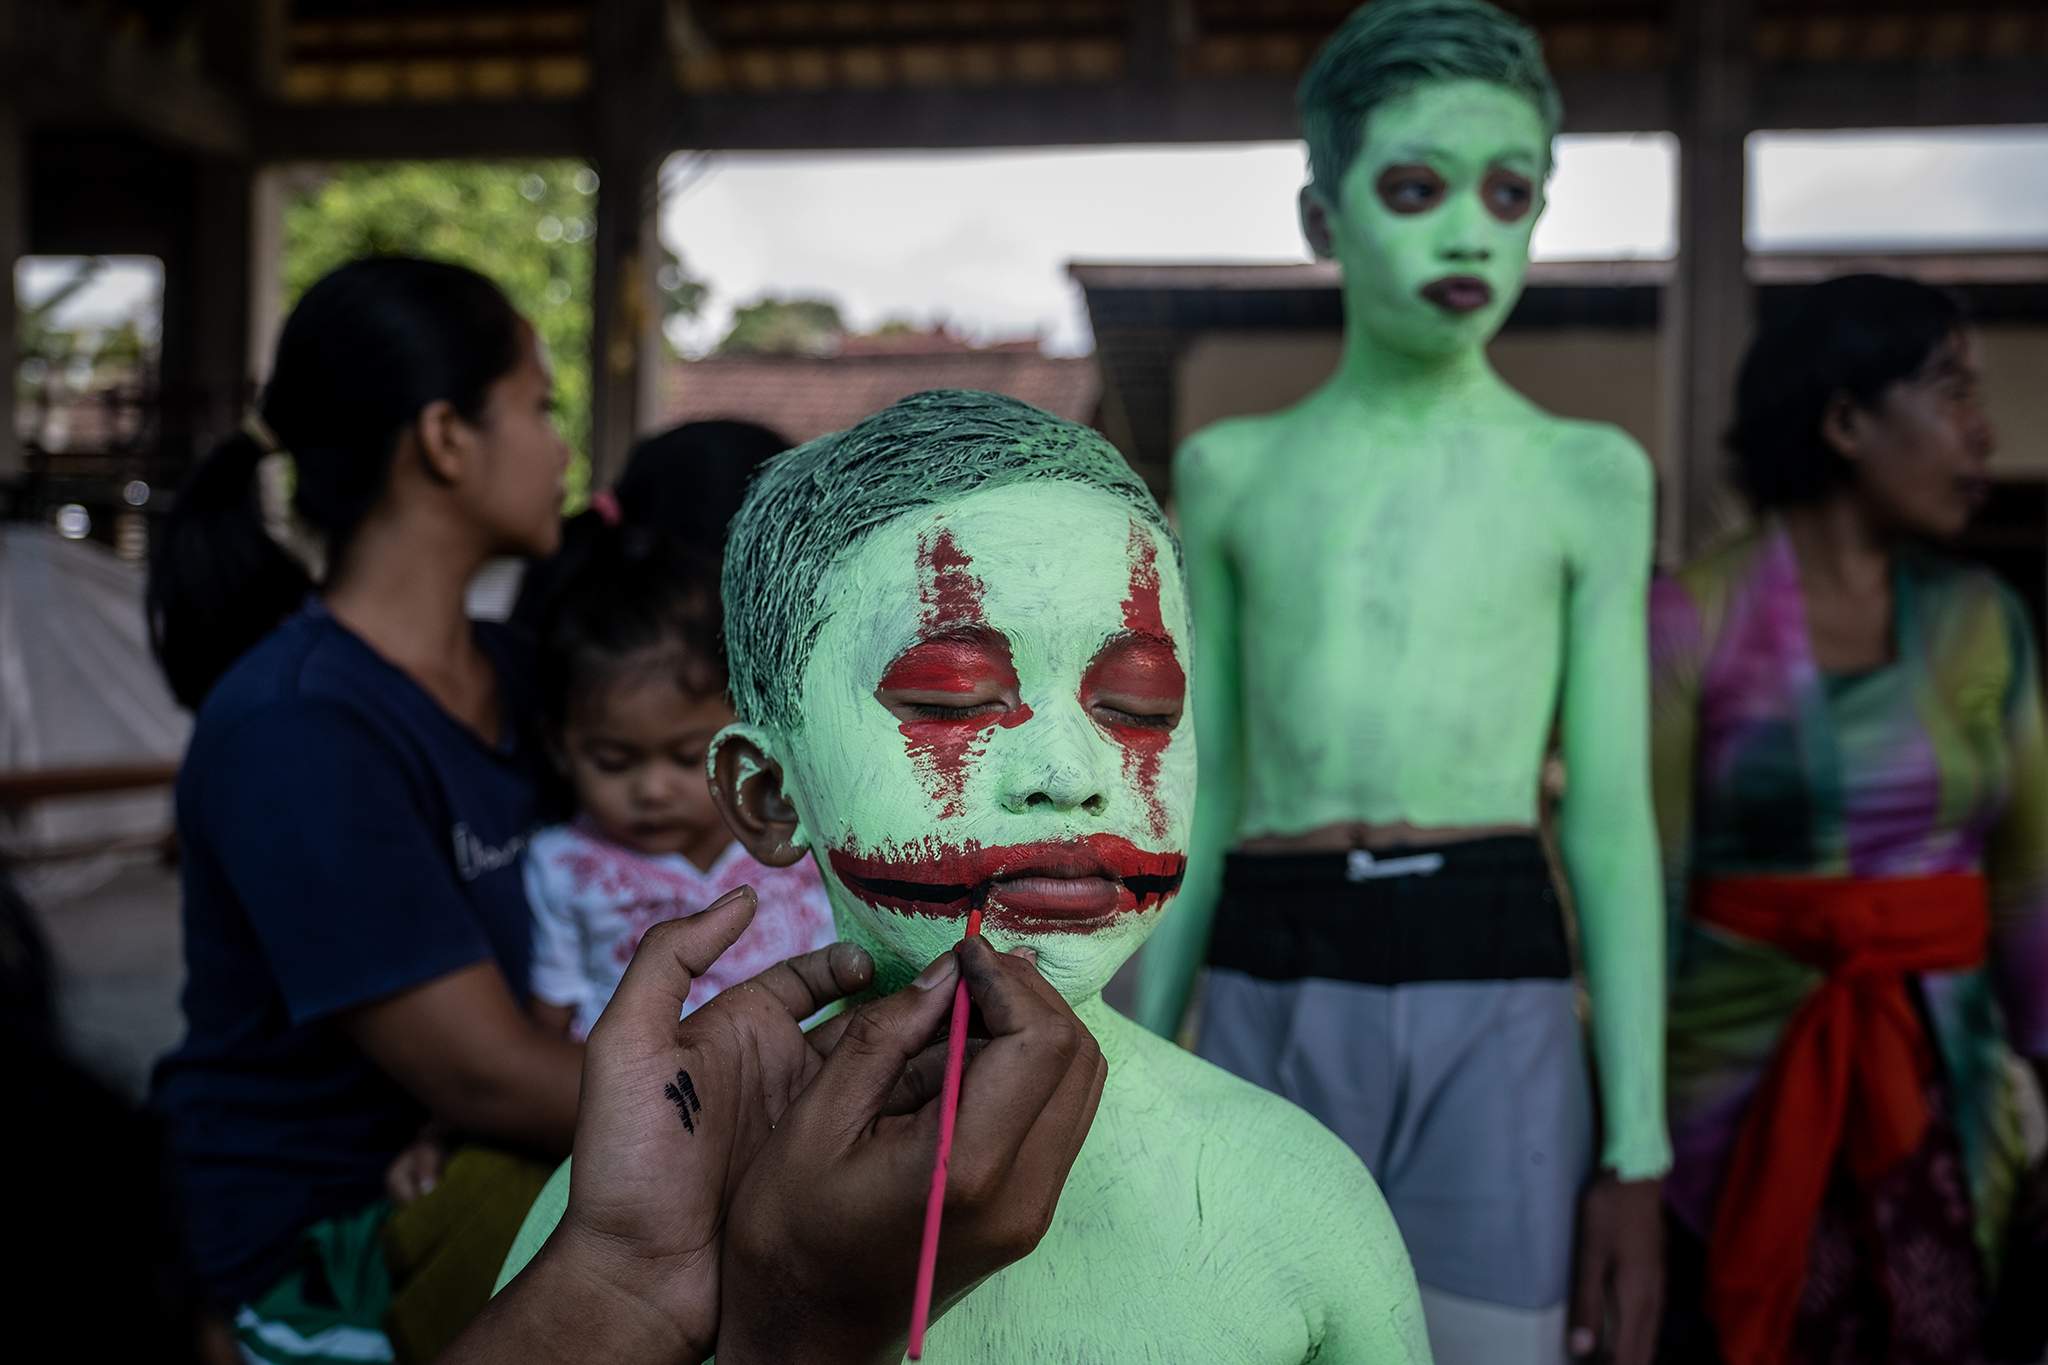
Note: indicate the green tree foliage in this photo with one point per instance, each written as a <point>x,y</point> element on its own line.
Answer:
<point>528,225</point>
<point>784,327</point>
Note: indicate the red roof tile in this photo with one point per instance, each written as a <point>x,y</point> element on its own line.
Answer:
<point>803,397</point>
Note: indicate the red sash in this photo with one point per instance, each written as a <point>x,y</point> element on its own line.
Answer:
<point>1849,1076</point>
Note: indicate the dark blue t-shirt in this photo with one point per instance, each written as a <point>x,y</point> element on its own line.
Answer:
<point>344,840</point>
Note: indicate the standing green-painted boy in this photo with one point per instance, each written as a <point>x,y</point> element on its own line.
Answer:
<point>1400,586</point>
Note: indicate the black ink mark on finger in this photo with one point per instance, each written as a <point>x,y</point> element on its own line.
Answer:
<point>683,1096</point>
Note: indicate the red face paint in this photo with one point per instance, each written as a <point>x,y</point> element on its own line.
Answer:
<point>1068,886</point>
<point>950,592</point>
<point>969,664</point>
<point>960,656</point>
<point>1139,666</point>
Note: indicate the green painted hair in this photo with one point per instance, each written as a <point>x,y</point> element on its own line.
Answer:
<point>1388,48</point>
<point>809,506</point>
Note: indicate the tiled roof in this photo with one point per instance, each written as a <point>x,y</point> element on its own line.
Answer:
<point>802,396</point>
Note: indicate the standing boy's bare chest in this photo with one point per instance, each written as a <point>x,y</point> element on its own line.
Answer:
<point>1455,539</point>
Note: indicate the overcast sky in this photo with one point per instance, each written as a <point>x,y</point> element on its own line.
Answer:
<point>982,239</point>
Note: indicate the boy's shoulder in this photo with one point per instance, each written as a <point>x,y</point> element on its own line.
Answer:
<point>1597,462</point>
<point>1227,448</point>
<point>1284,1195</point>
<point>1254,1126</point>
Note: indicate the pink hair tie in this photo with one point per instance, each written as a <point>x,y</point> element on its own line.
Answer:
<point>605,503</point>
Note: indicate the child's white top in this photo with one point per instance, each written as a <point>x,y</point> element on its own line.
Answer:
<point>592,901</point>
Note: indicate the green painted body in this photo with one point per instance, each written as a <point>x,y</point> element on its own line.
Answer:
<point>1403,582</point>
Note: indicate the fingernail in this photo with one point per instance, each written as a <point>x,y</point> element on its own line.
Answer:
<point>1581,1343</point>
<point>1027,952</point>
<point>427,1185</point>
<point>732,895</point>
<point>938,974</point>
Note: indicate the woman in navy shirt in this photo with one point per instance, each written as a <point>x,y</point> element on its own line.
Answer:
<point>361,778</point>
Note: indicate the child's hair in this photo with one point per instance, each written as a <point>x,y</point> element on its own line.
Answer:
<point>368,347</point>
<point>685,482</point>
<point>1388,48</point>
<point>812,505</point>
<point>634,599</point>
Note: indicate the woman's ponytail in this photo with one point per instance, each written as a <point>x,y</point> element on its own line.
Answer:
<point>218,582</point>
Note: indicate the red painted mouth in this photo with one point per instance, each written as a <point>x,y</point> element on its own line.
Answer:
<point>1458,293</point>
<point>1069,886</point>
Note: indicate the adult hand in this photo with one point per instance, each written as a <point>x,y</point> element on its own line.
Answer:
<point>1618,1287</point>
<point>673,1112</point>
<point>821,1248</point>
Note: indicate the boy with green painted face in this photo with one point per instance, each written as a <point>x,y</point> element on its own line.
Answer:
<point>958,644</point>
<point>1398,586</point>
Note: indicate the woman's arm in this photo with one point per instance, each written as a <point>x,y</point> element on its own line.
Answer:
<point>557,1021</point>
<point>2016,860</point>
<point>1173,956</point>
<point>1677,658</point>
<point>343,869</point>
<point>462,1047</point>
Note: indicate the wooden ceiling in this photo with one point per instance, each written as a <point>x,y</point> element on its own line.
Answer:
<point>320,79</point>
<point>379,51</point>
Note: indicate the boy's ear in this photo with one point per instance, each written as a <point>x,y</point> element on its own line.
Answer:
<point>1315,223</point>
<point>746,782</point>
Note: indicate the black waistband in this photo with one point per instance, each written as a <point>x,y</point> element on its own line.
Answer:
<point>1481,910</point>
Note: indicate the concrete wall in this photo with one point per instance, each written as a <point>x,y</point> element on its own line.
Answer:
<point>1610,375</point>
<point>1581,372</point>
<point>2015,361</point>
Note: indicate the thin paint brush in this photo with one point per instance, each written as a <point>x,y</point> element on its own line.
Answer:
<point>949,1108</point>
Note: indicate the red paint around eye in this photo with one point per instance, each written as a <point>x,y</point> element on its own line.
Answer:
<point>965,662</point>
<point>964,665</point>
<point>1140,665</point>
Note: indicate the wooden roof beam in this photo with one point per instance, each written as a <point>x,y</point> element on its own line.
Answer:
<point>467,128</point>
<point>1948,94</point>
<point>63,65</point>
<point>1231,109</point>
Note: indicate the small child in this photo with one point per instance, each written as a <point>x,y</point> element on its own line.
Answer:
<point>633,688</point>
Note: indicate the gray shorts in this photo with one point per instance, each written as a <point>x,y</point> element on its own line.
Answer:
<point>1467,1100</point>
<point>1424,1011</point>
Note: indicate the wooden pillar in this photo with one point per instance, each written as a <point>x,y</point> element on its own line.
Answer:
<point>629,63</point>
<point>221,374</point>
<point>1159,31</point>
<point>1708,305</point>
<point>14,245</point>
<point>208,371</point>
